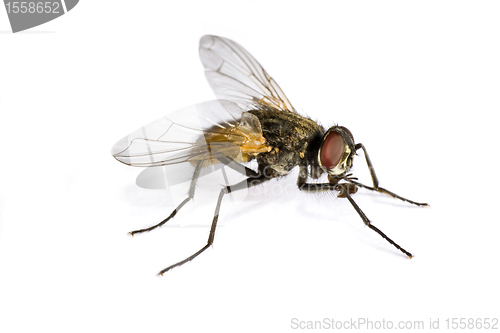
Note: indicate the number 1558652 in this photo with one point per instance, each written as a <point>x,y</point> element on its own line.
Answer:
<point>31,7</point>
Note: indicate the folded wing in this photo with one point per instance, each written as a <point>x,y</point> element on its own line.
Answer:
<point>204,132</point>
<point>235,75</point>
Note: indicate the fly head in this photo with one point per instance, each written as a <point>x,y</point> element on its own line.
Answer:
<point>336,151</point>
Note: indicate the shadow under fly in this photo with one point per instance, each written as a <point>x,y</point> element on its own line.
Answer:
<point>251,119</point>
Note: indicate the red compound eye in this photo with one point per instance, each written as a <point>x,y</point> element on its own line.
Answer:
<point>332,150</point>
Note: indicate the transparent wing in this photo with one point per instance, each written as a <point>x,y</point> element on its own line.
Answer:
<point>235,75</point>
<point>203,132</point>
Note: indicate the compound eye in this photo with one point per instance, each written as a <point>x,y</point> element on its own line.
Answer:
<point>332,150</point>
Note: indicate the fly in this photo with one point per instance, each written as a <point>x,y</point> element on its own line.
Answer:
<point>251,119</point>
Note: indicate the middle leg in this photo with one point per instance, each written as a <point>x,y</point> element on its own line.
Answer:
<point>249,182</point>
<point>375,180</point>
<point>344,190</point>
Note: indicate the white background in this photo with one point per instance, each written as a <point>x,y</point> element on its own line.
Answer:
<point>417,82</point>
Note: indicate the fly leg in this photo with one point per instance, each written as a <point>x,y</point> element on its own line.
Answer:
<point>375,180</point>
<point>370,165</point>
<point>238,167</point>
<point>368,223</point>
<point>228,189</point>
<point>392,194</point>
<point>192,189</point>
<point>344,190</point>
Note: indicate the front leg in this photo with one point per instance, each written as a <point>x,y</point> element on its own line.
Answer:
<point>343,190</point>
<point>375,180</point>
<point>323,187</point>
<point>370,165</point>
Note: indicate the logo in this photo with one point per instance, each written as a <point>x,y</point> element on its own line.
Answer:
<point>28,14</point>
